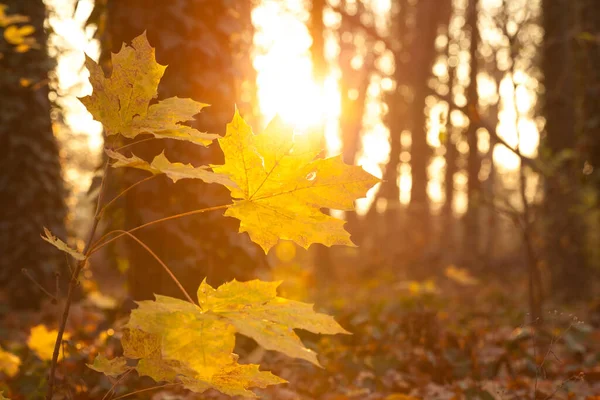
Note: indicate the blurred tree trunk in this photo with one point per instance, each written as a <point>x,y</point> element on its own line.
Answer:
<point>397,120</point>
<point>428,16</point>
<point>564,98</point>
<point>472,218</point>
<point>198,39</point>
<point>33,194</point>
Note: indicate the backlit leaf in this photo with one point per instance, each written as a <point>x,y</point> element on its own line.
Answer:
<point>9,363</point>
<point>121,102</point>
<point>115,367</point>
<point>17,35</point>
<point>281,187</point>
<point>41,341</point>
<point>174,170</point>
<point>62,246</point>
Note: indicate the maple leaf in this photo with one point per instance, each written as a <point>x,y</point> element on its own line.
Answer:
<point>62,246</point>
<point>122,101</point>
<point>9,363</point>
<point>281,187</point>
<point>115,367</point>
<point>41,341</point>
<point>175,340</point>
<point>234,380</point>
<point>174,170</point>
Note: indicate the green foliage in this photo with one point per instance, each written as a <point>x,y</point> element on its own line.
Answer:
<point>278,189</point>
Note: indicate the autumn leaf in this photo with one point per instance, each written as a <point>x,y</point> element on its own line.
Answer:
<point>9,363</point>
<point>62,246</point>
<point>461,276</point>
<point>11,19</point>
<point>2,396</point>
<point>41,341</point>
<point>175,340</point>
<point>121,102</point>
<point>115,367</point>
<point>281,187</point>
<point>256,311</point>
<point>18,35</point>
<point>174,170</point>
<point>234,380</point>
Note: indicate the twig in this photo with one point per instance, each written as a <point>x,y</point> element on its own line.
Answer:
<point>70,293</point>
<point>185,293</point>
<point>99,244</point>
<point>146,390</point>
<point>116,383</point>
<point>26,272</point>
<point>121,194</point>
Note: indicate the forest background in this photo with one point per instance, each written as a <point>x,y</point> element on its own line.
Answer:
<point>478,260</point>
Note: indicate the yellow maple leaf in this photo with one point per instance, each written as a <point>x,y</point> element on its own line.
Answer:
<point>281,187</point>
<point>41,341</point>
<point>62,246</point>
<point>174,170</point>
<point>9,363</point>
<point>17,35</point>
<point>121,102</point>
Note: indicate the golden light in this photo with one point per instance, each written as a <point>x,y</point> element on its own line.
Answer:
<point>284,69</point>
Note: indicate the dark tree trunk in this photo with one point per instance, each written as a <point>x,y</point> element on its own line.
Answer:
<point>562,69</point>
<point>194,37</point>
<point>428,16</point>
<point>472,234</point>
<point>31,185</point>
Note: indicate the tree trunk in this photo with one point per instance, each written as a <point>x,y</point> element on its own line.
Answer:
<point>472,233</point>
<point>566,232</point>
<point>33,194</point>
<point>193,37</point>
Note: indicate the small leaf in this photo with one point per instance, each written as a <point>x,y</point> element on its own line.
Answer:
<point>115,367</point>
<point>17,35</point>
<point>121,102</point>
<point>62,246</point>
<point>41,341</point>
<point>174,170</point>
<point>9,363</point>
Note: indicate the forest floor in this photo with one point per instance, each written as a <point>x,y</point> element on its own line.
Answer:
<point>450,339</point>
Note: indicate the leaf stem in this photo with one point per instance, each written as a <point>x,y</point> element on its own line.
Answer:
<point>116,383</point>
<point>99,244</point>
<point>145,246</point>
<point>121,194</point>
<point>71,291</point>
<point>146,390</point>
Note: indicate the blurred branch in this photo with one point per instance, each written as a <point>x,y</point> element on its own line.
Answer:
<point>483,123</point>
<point>355,21</point>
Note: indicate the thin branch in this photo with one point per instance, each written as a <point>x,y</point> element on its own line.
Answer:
<point>134,143</point>
<point>146,390</point>
<point>99,244</point>
<point>116,383</point>
<point>145,246</point>
<point>26,272</point>
<point>122,194</point>
<point>72,285</point>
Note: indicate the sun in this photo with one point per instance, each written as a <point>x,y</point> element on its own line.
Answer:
<point>285,82</point>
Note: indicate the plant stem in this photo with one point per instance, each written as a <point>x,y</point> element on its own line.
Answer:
<point>71,291</point>
<point>146,390</point>
<point>185,293</point>
<point>121,194</point>
<point>99,244</point>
